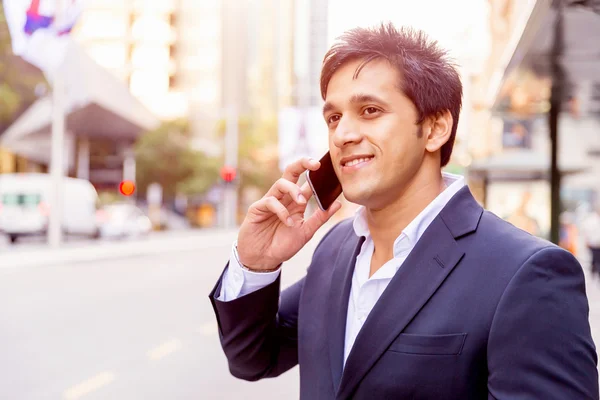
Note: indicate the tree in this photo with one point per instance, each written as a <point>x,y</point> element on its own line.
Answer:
<point>18,79</point>
<point>258,160</point>
<point>165,156</point>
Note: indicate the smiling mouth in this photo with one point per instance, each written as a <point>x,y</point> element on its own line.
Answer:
<point>357,161</point>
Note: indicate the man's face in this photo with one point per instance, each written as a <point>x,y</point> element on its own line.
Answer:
<point>374,141</point>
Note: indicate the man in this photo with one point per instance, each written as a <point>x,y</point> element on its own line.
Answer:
<point>423,295</point>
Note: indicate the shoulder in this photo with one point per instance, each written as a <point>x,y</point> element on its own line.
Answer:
<point>503,239</point>
<point>511,254</point>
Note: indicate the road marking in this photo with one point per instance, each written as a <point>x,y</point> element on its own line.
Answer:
<point>209,329</point>
<point>164,349</point>
<point>89,386</point>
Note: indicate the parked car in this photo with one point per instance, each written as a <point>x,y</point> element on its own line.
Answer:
<point>123,220</point>
<point>26,202</point>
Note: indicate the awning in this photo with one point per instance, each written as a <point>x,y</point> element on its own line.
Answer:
<point>522,35</point>
<point>580,56</point>
<point>97,105</point>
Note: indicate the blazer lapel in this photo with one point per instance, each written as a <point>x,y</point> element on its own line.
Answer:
<point>431,261</point>
<point>337,308</point>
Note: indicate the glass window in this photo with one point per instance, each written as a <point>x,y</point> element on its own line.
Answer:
<point>155,6</point>
<point>25,200</point>
<point>150,56</point>
<point>149,82</point>
<point>96,24</point>
<point>152,28</point>
<point>111,55</point>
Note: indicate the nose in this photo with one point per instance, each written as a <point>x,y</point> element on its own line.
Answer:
<point>347,132</point>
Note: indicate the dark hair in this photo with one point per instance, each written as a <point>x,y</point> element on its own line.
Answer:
<point>429,78</point>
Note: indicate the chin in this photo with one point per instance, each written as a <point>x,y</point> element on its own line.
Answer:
<point>359,197</point>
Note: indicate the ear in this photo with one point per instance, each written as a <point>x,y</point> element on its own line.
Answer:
<point>439,132</point>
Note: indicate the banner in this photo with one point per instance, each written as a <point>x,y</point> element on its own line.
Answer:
<point>36,35</point>
<point>302,132</point>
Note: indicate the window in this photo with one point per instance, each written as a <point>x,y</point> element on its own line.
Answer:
<point>146,56</point>
<point>149,82</point>
<point>102,25</point>
<point>152,28</point>
<point>111,55</point>
<point>24,200</point>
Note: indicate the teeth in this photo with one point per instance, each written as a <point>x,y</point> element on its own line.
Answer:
<point>356,161</point>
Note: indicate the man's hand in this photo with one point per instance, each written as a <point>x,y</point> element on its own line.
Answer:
<point>274,229</point>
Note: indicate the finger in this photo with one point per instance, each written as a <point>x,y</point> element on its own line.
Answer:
<point>283,187</point>
<point>315,221</point>
<point>294,170</point>
<point>272,205</point>
<point>306,191</point>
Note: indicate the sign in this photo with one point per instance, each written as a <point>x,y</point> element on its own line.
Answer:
<point>302,133</point>
<point>516,133</point>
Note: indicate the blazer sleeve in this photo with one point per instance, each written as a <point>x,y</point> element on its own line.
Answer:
<point>540,345</point>
<point>258,331</point>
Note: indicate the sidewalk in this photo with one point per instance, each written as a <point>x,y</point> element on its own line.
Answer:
<point>156,243</point>
<point>159,242</point>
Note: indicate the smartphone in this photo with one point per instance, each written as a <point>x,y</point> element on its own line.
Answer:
<point>324,183</point>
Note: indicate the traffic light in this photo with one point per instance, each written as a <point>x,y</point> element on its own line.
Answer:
<point>126,188</point>
<point>228,173</point>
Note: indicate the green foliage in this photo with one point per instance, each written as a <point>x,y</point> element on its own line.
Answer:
<point>17,79</point>
<point>257,163</point>
<point>165,156</point>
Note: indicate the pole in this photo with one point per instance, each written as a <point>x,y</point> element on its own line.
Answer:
<point>231,160</point>
<point>83,158</point>
<point>56,160</point>
<point>556,98</point>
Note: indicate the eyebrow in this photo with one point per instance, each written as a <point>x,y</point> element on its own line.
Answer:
<point>358,98</point>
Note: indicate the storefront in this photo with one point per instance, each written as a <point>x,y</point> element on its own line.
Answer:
<point>527,101</point>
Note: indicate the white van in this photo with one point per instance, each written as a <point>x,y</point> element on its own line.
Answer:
<point>25,202</point>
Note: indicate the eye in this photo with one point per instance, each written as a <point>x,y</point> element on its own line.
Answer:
<point>369,111</point>
<point>333,119</point>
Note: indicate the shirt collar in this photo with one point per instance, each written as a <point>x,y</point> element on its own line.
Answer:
<point>413,232</point>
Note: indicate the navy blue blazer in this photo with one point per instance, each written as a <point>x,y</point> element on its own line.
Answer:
<point>480,309</point>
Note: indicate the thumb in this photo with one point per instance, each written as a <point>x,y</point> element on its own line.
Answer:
<point>315,221</point>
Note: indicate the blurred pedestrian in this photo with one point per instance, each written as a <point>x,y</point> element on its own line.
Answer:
<point>591,233</point>
<point>422,294</point>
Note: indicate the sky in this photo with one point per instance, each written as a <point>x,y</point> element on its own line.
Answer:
<point>461,26</point>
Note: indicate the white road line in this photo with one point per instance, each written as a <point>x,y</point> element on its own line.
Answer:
<point>89,386</point>
<point>164,349</point>
<point>209,329</point>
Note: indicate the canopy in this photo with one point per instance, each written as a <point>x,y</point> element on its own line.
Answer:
<point>97,105</point>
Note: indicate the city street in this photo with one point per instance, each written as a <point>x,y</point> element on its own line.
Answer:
<point>137,327</point>
<point>129,328</point>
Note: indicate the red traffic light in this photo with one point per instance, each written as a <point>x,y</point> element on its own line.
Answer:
<point>228,173</point>
<point>126,188</point>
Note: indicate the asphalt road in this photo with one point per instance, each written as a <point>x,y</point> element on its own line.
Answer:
<point>137,327</point>
<point>133,328</point>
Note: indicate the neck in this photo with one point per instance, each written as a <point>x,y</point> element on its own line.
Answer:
<point>387,223</point>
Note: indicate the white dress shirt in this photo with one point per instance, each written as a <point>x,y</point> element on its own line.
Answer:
<point>364,291</point>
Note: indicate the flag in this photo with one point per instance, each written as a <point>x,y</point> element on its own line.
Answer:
<point>37,35</point>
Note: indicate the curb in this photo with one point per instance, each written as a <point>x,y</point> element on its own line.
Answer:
<point>100,251</point>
